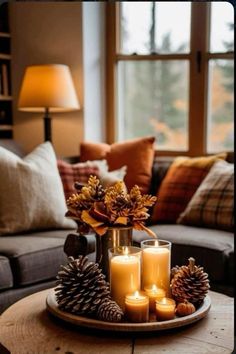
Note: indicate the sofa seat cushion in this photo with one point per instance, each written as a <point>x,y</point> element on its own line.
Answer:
<point>211,248</point>
<point>35,256</point>
<point>6,278</point>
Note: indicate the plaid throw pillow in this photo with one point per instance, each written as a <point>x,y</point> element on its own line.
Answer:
<point>213,203</point>
<point>71,173</point>
<point>179,185</point>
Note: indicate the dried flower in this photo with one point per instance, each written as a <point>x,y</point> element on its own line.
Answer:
<point>97,208</point>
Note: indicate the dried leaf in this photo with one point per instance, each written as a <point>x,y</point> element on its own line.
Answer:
<point>87,218</point>
<point>98,212</point>
<point>101,230</point>
<point>121,220</point>
<point>141,226</point>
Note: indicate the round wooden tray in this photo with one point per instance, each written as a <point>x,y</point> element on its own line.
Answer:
<point>52,307</point>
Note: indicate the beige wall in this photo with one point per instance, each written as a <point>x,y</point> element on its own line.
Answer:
<point>47,33</point>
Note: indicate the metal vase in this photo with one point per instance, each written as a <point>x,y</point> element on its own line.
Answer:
<point>114,237</point>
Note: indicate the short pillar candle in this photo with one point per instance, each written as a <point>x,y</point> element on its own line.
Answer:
<point>137,307</point>
<point>165,309</point>
<point>125,272</point>
<point>156,259</point>
<point>154,293</point>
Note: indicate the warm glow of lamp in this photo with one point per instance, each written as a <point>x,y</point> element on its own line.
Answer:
<point>48,88</point>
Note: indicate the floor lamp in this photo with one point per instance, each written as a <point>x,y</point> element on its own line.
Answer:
<point>47,89</point>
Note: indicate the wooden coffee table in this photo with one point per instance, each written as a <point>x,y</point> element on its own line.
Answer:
<point>27,327</point>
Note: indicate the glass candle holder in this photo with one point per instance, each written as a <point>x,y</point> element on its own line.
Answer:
<point>137,307</point>
<point>165,309</point>
<point>156,258</point>
<point>125,272</point>
<point>154,293</point>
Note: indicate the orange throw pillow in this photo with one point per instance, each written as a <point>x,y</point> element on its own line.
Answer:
<point>180,183</point>
<point>93,151</point>
<point>136,154</point>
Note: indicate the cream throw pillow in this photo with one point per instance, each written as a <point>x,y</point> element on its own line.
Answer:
<point>107,178</point>
<point>31,192</point>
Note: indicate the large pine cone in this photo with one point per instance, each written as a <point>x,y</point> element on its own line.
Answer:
<point>189,283</point>
<point>82,288</point>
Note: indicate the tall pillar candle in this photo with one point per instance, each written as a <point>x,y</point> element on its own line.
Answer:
<point>156,259</point>
<point>125,273</point>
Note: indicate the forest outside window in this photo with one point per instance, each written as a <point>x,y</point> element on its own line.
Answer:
<point>170,74</point>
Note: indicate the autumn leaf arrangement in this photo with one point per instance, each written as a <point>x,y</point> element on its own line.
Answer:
<point>95,208</point>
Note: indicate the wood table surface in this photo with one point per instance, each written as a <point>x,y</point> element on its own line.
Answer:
<point>27,327</point>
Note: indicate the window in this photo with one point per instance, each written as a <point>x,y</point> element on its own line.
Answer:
<point>220,132</point>
<point>170,74</point>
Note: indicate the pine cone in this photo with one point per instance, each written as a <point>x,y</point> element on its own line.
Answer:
<point>189,283</point>
<point>108,310</point>
<point>81,287</point>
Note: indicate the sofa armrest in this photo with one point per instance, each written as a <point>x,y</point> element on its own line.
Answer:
<point>76,245</point>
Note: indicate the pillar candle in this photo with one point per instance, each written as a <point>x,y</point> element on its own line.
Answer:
<point>137,307</point>
<point>154,293</point>
<point>165,309</point>
<point>124,277</point>
<point>156,267</point>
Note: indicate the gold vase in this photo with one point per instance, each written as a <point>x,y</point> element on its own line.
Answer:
<point>114,237</point>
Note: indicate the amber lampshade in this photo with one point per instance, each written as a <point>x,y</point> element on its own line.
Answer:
<point>48,88</point>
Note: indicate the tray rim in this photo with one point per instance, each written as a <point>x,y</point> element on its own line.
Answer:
<point>87,322</point>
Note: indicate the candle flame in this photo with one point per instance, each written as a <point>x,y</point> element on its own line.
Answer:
<point>126,251</point>
<point>164,301</point>
<point>156,244</point>
<point>154,287</point>
<point>136,294</point>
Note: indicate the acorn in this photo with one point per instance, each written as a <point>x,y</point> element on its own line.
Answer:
<point>185,308</point>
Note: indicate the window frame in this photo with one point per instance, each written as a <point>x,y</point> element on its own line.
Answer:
<point>199,57</point>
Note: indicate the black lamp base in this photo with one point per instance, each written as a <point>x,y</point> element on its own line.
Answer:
<point>47,126</point>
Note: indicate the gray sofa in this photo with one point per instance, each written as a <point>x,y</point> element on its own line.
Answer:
<point>29,262</point>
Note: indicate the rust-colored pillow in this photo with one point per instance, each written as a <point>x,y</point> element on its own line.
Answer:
<point>93,151</point>
<point>136,154</point>
<point>180,183</point>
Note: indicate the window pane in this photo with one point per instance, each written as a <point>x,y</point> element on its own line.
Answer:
<point>222,26</point>
<point>221,106</point>
<point>162,27</point>
<point>153,100</point>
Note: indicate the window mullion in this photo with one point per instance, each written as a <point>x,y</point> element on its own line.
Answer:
<point>198,77</point>
<point>112,41</point>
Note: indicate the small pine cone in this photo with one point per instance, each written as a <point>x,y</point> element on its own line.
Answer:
<point>189,283</point>
<point>109,311</point>
<point>81,286</point>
